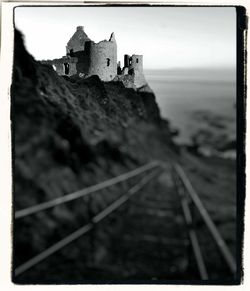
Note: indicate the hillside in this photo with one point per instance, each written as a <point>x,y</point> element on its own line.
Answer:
<point>69,133</point>
<point>64,125</point>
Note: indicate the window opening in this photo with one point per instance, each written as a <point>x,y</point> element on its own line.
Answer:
<point>66,68</point>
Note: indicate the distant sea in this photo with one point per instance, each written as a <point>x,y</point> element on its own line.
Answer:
<point>181,93</point>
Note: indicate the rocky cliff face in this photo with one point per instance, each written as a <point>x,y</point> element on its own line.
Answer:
<point>69,133</point>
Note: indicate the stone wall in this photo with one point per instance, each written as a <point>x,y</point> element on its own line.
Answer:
<point>63,66</point>
<point>59,68</point>
<point>72,68</point>
<point>136,63</point>
<point>127,80</point>
<point>94,58</point>
<point>136,70</point>
<point>139,79</point>
<point>103,60</point>
<point>83,63</point>
<point>77,41</point>
<point>87,58</point>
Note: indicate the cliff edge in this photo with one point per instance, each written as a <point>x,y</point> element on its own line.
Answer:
<point>69,133</point>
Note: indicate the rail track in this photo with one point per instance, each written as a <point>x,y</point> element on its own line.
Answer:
<point>149,232</point>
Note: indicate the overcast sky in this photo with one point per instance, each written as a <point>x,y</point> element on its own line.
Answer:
<point>167,37</point>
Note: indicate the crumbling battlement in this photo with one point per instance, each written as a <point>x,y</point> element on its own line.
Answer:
<point>63,66</point>
<point>85,58</point>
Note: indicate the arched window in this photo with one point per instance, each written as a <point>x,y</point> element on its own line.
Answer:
<point>108,62</point>
<point>71,52</point>
<point>137,60</point>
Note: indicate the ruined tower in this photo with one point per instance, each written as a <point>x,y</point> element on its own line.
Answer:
<point>93,58</point>
<point>133,65</point>
<point>85,58</point>
<point>103,59</point>
<point>136,68</point>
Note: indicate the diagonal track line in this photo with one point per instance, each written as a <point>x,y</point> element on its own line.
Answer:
<point>85,191</point>
<point>86,228</point>
<point>228,257</point>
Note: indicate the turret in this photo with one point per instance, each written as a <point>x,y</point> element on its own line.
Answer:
<point>103,59</point>
<point>133,66</point>
<point>136,63</point>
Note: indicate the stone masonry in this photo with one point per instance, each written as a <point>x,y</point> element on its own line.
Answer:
<point>85,58</point>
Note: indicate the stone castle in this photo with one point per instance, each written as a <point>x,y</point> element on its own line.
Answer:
<point>85,58</point>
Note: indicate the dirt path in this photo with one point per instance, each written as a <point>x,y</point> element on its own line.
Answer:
<point>152,240</point>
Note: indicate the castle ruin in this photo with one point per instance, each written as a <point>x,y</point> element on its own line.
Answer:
<point>85,58</point>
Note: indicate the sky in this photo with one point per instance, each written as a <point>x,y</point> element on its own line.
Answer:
<point>167,37</point>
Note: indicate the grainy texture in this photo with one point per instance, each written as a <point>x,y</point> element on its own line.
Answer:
<point>87,58</point>
<point>69,133</point>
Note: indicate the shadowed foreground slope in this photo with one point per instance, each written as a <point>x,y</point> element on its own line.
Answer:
<point>71,133</point>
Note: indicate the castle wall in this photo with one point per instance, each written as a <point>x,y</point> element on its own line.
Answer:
<point>63,66</point>
<point>103,60</point>
<point>136,63</point>
<point>87,58</point>
<point>77,41</point>
<point>127,80</point>
<point>59,68</point>
<point>136,69</point>
<point>82,66</point>
<point>72,69</point>
<point>139,79</point>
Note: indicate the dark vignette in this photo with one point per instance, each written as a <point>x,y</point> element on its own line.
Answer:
<point>241,22</point>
